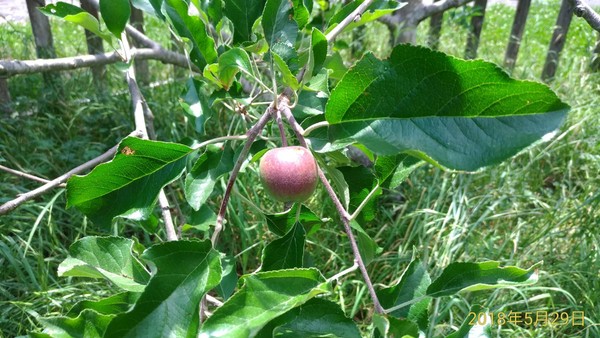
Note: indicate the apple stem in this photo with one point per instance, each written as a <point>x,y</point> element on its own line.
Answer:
<point>284,142</point>
<point>344,215</point>
<point>250,137</point>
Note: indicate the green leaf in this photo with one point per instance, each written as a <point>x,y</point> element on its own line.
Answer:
<point>386,326</point>
<point>318,47</point>
<point>263,297</point>
<point>230,278</point>
<point>195,104</point>
<point>278,23</point>
<point>412,286</point>
<point>115,14</point>
<point>112,305</point>
<point>366,245</point>
<point>230,63</point>
<point>89,324</point>
<point>184,272</point>
<point>458,277</point>
<point>200,182</point>
<point>286,252</point>
<point>152,7</point>
<point>316,318</point>
<point>301,13</point>
<point>282,223</point>
<point>128,185</point>
<point>395,169</point>
<point>376,10</point>
<point>471,327</point>
<point>461,114</point>
<point>106,257</point>
<point>193,28</point>
<point>361,182</point>
<point>288,78</point>
<point>77,16</point>
<point>243,14</point>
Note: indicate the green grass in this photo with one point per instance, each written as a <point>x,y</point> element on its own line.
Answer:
<point>543,205</point>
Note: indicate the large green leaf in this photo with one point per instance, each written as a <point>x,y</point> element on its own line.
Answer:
<point>88,324</point>
<point>461,114</point>
<point>376,10</point>
<point>316,318</point>
<point>458,277</point>
<point>200,182</point>
<point>243,14</point>
<point>278,23</point>
<point>115,14</point>
<point>77,16</point>
<point>169,305</point>
<point>411,286</point>
<point>193,28</point>
<point>263,297</point>
<point>128,185</point>
<point>286,252</point>
<point>106,257</point>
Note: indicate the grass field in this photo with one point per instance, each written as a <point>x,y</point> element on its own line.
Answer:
<point>543,205</point>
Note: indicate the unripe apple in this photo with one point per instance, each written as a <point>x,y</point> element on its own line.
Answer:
<point>289,174</point>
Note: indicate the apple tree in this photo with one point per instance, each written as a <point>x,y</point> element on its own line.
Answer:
<point>270,66</point>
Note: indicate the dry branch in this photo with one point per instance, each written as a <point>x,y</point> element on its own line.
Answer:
<point>583,10</point>
<point>16,67</point>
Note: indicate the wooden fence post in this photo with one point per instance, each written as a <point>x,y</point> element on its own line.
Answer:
<point>476,25</point>
<point>141,66</point>
<point>94,45</point>
<point>595,64</point>
<point>44,45</point>
<point>435,30</point>
<point>4,96</point>
<point>516,34</point>
<point>558,39</point>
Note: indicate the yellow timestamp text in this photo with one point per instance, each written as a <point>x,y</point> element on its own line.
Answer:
<point>534,318</point>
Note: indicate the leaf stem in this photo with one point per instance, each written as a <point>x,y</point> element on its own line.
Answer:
<point>250,137</point>
<point>364,202</point>
<point>314,127</point>
<point>344,216</point>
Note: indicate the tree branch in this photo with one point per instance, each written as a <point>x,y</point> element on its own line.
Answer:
<point>13,204</point>
<point>344,215</point>
<point>16,67</point>
<point>251,136</point>
<point>583,10</point>
<point>347,20</point>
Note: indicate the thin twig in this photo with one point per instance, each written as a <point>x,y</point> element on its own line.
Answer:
<point>12,204</point>
<point>351,17</point>
<point>583,10</point>
<point>23,174</point>
<point>251,136</point>
<point>344,216</point>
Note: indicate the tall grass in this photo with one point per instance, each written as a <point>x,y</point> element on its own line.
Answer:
<point>542,205</point>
